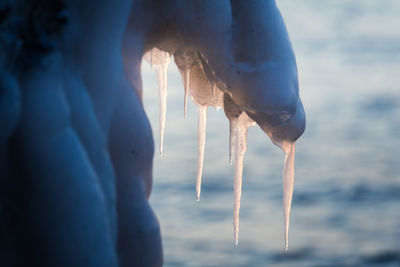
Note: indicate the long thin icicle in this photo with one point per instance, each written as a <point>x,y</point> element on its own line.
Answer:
<point>162,102</point>
<point>159,61</point>
<point>288,182</point>
<point>186,86</point>
<point>201,128</point>
<point>243,124</point>
<point>232,138</point>
<point>184,60</point>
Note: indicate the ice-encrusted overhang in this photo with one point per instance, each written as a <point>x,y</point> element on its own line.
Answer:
<point>242,62</point>
<point>204,92</point>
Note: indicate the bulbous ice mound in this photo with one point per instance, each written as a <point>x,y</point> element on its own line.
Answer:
<point>236,55</point>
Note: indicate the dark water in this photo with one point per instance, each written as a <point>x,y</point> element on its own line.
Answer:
<point>346,205</point>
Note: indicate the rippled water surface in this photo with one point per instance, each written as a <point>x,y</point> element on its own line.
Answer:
<point>346,205</point>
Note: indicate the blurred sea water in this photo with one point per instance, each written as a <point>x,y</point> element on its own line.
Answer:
<point>346,203</point>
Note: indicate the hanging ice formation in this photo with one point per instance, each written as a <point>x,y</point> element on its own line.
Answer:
<point>184,61</point>
<point>239,123</point>
<point>202,94</point>
<point>288,182</point>
<point>202,85</point>
<point>159,61</point>
<point>232,111</point>
<point>243,124</point>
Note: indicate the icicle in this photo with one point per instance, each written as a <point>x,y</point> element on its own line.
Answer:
<point>232,111</point>
<point>214,88</point>
<point>162,102</point>
<point>186,85</point>
<point>232,138</point>
<point>201,94</point>
<point>288,182</point>
<point>201,128</point>
<point>184,60</point>
<point>243,124</point>
<point>159,60</point>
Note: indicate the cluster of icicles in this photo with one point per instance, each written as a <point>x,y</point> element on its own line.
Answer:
<point>206,93</point>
